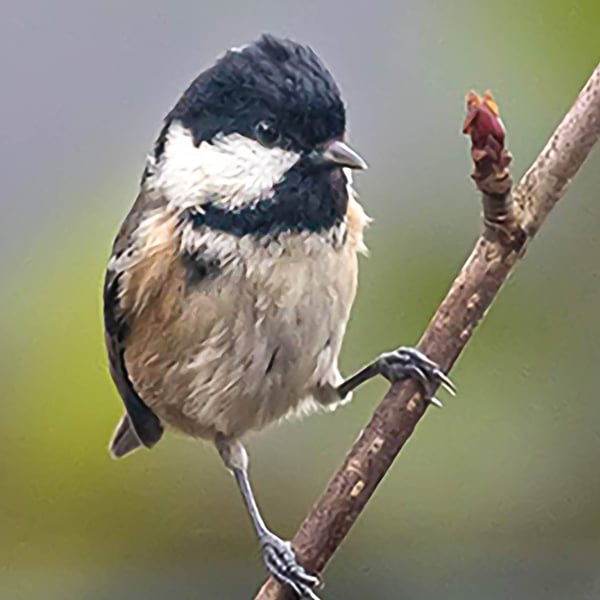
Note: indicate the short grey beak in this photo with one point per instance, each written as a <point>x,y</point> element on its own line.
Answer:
<point>339,153</point>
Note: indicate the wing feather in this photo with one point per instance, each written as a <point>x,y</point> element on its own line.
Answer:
<point>144,423</point>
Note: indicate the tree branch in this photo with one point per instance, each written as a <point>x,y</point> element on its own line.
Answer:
<point>511,221</point>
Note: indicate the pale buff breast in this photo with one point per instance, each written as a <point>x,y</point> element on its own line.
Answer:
<point>249,346</point>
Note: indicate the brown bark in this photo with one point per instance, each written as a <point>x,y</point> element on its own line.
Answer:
<point>496,252</point>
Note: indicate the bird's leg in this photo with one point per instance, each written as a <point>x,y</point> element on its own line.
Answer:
<point>278,554</point>
<point>403,363</point>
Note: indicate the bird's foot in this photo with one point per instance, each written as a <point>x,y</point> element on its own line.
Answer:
<point>281,562</point>
<point>410,363</point>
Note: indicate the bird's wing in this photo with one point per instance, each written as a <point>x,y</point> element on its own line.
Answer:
<point>117,317</point>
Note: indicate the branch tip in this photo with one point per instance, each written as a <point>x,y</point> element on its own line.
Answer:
<point>488,135</point>
<point>491,160</point>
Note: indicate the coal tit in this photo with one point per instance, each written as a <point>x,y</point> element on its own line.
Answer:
<point>232,278</point>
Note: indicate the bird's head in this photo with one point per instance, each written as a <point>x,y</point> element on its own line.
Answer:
<point>265,124</point>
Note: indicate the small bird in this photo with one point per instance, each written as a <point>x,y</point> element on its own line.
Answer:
<point>231,279</point>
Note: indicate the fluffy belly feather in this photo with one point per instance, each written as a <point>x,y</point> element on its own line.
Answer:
<point>250,346</point>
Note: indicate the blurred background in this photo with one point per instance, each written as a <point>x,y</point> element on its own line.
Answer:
<point>497,496</point>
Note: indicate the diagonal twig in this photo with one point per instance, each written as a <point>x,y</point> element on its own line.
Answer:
<point>511,221</point>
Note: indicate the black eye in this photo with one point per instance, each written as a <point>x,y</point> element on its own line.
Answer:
<point>266,133</point>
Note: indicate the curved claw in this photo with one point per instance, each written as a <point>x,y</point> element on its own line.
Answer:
<point>406,362</point>
<point>445,382</point>
<point>438,403</point>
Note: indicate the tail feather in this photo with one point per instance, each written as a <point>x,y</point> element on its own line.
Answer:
<point>124,439</point>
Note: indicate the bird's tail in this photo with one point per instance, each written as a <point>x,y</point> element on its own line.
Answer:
<point>124,439</point>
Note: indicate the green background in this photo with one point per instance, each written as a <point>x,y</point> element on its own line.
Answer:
<point>496,496</point>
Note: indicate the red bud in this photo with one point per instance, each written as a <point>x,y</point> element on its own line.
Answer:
<point>484,126</point>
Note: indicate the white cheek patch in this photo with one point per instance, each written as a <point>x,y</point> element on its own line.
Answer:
<point>232,170</point>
